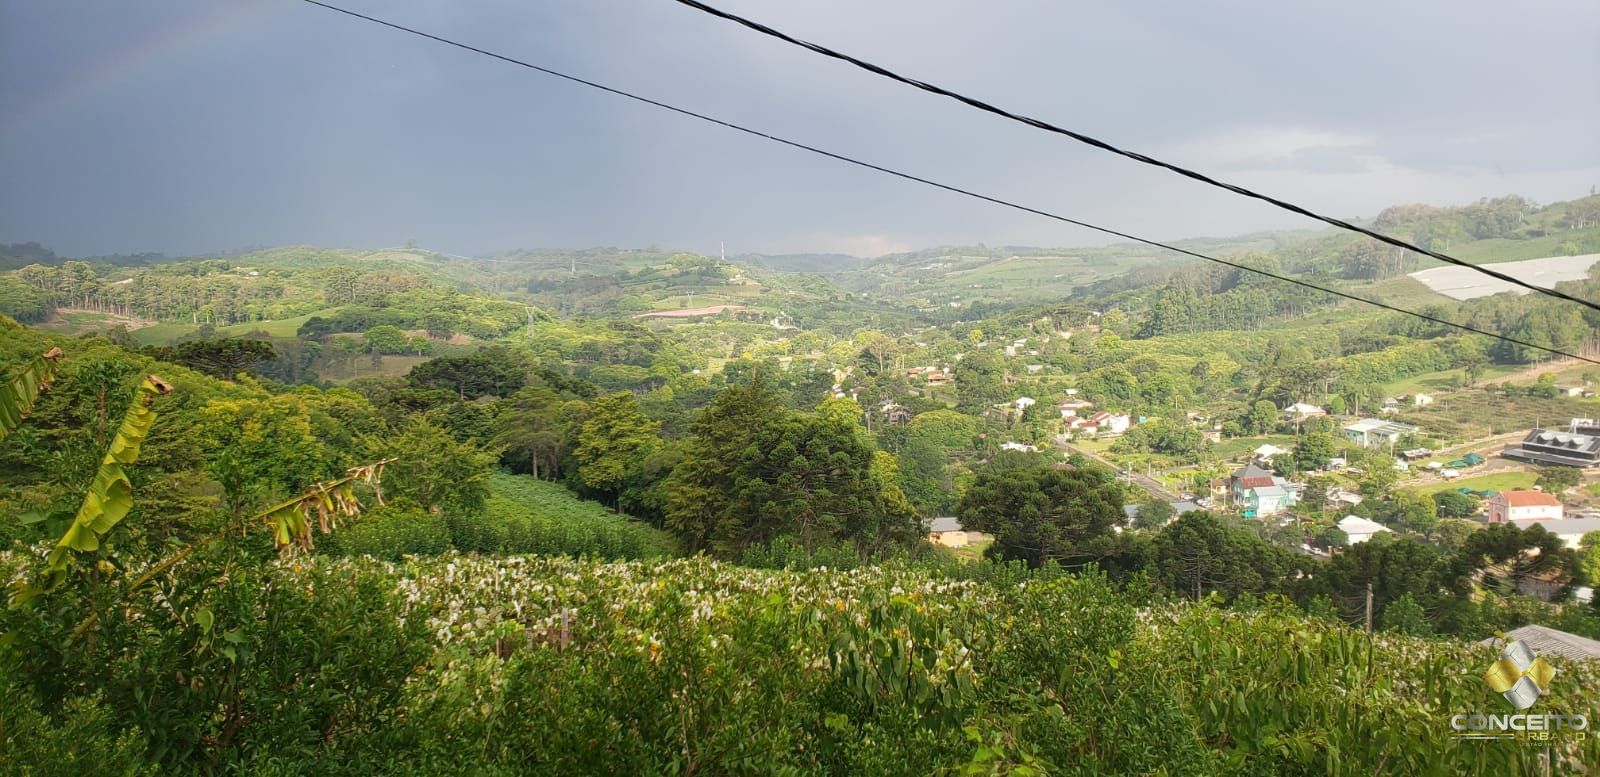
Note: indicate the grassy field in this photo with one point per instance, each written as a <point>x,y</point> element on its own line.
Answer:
<point>1499,481</point>
<point>387,366</point>
<point>1447,379</point>
<point>1240,447</point>
<point>81,322</point>
<point>1506,250</point>
<point>283,327</point>
<point>78,322</point>
<point>1405,291</point>
<point>162,333</point>
<point>84,322</point>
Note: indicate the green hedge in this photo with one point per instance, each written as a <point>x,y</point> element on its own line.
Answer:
<point>523,516</point>
<point>526,515</point>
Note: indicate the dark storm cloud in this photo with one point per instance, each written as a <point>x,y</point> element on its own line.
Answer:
<point>183,126</point>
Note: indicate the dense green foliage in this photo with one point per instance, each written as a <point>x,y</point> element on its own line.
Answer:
<point>1041,514</point>
<point>692,666</point>
<point>754,472</point>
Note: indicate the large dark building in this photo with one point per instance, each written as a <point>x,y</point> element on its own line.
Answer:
<point>1577,446</point>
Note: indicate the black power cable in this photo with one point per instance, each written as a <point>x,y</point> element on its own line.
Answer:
<point>1134,155</point>
<point>936,184</point>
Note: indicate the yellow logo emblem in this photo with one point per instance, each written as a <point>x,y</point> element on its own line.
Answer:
<point>1519,675</point>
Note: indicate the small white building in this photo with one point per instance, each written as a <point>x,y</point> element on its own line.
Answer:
<point>1358,530</point>
<point>1303,410</point>
<point>1019,446</point>
<point>1023,403</point>
<point>947,532</point>
<point>1421,400</point>
<point>1372,432</point>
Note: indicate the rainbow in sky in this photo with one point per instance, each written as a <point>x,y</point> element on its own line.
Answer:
<point>126,64</point>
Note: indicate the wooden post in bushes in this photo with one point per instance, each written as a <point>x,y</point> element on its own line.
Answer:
<point>1369,606</point>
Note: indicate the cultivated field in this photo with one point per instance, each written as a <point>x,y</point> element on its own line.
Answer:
<point>1466,283</point>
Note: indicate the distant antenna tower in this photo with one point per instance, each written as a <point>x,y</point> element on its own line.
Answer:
<point>722,246</point>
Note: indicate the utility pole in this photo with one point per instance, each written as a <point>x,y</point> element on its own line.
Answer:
<point>1369,606</point>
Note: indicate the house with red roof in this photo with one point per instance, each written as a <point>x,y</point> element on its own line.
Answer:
<point>1523,507</point>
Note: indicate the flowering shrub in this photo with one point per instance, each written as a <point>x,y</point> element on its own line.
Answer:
<point>519,665</point>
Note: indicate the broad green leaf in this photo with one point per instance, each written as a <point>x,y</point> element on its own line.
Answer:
<point>18,395</point>
<point>110,495</point>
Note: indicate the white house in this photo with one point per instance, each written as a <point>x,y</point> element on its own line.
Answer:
<point>1523,507</point>
<point>1359,530</point>
<point>1018,446</point>
<point>1303,410</point>
<point>1023,403</point>
<point>1372,432</point>
<point>1112,423</point>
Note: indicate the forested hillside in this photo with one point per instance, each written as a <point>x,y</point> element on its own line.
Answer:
<point>301,510</point>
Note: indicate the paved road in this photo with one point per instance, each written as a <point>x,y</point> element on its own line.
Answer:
<point>1150,485</point>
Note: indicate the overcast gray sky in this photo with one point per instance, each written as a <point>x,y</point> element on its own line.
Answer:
<point>188,126</point>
